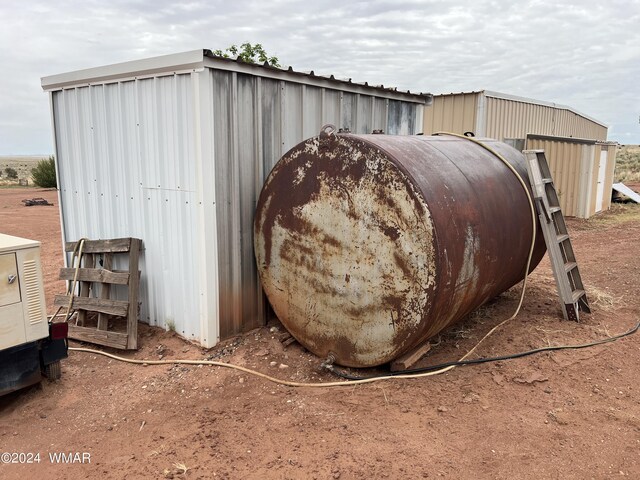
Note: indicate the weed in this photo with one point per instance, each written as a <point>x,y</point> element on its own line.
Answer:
<point>602,299</point>
<point>181,467</point>
<point>171,325</point>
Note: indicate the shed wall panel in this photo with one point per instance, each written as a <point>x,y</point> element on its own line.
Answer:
<point>125,156</point>
<point>503,118</point>
<point>569,162</point>
<point>451,113</point>
<point>513,119</point>
<point>247,147</point>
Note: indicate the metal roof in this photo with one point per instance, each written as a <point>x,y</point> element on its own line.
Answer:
<point>196,60</point>
<point>515,98</point>
<point>554,138</point>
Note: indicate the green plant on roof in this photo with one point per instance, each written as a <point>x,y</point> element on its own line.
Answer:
<point>248,53</point>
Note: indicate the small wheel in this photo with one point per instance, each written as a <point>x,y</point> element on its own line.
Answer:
<point>53,371</point>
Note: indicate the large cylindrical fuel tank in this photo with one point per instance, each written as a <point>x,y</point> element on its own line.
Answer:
<point>368,245</point>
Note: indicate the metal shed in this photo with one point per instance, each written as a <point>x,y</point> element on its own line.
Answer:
<point>582,171</point>
<point>174,150</point>
<point>573,141</point>
<point>508,117</point>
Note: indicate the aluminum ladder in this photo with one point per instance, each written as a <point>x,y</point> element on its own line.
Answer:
<point>554,228</point>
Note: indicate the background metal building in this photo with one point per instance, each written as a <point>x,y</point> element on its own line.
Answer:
<point>174,150</point>
<point>574,142</point>
<point>582,171</point>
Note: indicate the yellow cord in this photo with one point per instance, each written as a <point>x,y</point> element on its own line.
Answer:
<point>366,380</point>
<point>534,228</point>
<point>287,383</point>
<point>77,253</point>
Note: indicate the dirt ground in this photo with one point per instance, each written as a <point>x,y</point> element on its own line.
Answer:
<point>572,414</point>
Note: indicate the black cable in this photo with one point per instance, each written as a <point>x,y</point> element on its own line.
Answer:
<point>476,361</point>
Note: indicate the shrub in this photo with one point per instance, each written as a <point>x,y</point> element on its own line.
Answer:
<point>44,173</point>
<point>248,53</point>
<point>11,172</point>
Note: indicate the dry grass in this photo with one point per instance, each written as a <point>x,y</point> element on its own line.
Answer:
<point>547,333</point>
<point>603,300</point>
<point>628,164</point>
<point>618,213</point>
<point>181,467</point>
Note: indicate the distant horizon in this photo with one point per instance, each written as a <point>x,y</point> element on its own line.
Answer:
<point>13,155</point>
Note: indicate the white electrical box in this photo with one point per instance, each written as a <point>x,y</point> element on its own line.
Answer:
<point>23,316</point>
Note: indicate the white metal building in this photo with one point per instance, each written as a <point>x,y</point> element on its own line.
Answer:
<point>174,150</point>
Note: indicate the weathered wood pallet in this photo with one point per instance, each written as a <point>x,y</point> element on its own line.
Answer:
<point>95,279</point>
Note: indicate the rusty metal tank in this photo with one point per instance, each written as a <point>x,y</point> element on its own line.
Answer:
<point>368,245</point>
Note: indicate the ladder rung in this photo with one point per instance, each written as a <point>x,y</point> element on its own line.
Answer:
<point>577,294</point>
<point>570,287</point>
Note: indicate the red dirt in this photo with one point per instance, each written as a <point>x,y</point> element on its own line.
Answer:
<point>40,223</point>
<point>569,414</point>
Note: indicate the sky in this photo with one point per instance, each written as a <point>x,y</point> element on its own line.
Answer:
<point>584,54</point>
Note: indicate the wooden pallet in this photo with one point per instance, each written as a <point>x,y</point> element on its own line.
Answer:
<point>97,283</point>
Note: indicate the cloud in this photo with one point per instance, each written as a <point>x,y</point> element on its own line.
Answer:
<point>584,54</point>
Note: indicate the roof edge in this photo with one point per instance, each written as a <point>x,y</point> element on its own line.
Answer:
<point>553,138</point>
<point>533,101</point>
<point>310,78</point>
<point>191,60</point>
<point>516,98</point>
<point>197,60</point>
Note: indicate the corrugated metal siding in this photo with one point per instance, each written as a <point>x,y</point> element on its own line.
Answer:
<point>574,165</point>
<point>126,162</point>
<point>178,160</point>
<point>455,113</point>
<point>513,119</point>
<point>572,168</point>
<point>502,118</point>
<point>256,120</point>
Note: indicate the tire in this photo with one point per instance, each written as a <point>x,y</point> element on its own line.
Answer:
<point>53,371</point>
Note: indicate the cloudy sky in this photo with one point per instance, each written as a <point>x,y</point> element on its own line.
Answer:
<point>585,54</point>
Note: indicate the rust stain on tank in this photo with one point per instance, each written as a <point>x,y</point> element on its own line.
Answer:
<point>368,245</point>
